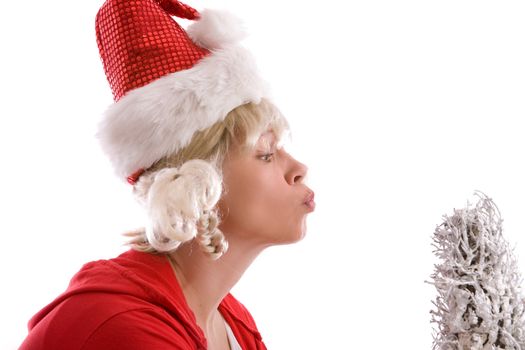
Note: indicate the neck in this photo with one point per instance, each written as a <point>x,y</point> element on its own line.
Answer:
<point>205,282</point>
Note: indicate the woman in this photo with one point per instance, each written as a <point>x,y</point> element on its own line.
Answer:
<point>193,131</point>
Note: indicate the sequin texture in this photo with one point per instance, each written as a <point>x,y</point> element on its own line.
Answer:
<point>139,42</point>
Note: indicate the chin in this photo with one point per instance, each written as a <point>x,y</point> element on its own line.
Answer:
<point>301,237</point>
<point>293,237</point>
<point>299,232</point>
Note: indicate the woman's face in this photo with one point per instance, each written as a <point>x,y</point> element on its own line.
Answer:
<point>264,199</point>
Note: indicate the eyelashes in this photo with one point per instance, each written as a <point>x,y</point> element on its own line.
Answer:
<point>267,157</point>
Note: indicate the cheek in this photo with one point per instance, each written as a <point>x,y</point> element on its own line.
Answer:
<point>262,209</point>
<point>247,203</point>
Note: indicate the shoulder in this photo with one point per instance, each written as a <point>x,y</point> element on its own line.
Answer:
<point>130,298</point>
<point>141,328</point>
<point>109,321</point>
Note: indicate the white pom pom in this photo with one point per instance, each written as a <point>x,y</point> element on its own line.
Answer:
<point>216,29</point>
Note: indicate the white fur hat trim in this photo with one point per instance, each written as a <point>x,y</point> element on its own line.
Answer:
<point>160,118</point>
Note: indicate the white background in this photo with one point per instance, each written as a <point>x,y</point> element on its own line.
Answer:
<point>401,109</point>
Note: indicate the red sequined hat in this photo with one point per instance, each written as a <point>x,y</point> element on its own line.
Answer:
<point>167,82</point>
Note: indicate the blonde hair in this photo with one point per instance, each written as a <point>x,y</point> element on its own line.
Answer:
<point>180,191</point>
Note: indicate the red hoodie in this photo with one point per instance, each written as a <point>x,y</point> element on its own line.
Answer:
<point>131,302</point>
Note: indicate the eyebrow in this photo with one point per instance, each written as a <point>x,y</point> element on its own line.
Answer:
<point>263,139</point>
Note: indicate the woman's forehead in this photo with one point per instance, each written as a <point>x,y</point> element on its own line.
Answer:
<point>268,134</point>
<point>267,137</point>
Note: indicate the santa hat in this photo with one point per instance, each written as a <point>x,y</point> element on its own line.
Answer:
<point>168,83</point>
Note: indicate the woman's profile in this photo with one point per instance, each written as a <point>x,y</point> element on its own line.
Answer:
<point>194,131</point>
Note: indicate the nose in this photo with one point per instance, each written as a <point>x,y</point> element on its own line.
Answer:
<point>296,172</point>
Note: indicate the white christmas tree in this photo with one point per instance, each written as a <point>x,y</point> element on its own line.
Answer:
<point>479,304</point>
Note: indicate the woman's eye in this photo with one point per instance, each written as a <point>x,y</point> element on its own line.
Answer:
<point>267,157</point>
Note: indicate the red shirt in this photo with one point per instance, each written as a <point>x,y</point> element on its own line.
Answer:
<point>131,302</point>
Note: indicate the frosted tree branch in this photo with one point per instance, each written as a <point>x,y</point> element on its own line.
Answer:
<point>479,304</point>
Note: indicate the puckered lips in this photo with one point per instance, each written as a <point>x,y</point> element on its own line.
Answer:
<point>309,200</point>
